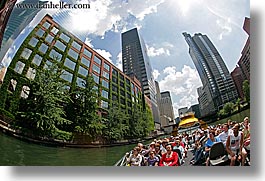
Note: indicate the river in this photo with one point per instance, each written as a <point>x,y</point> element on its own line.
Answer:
<point>14,152</point>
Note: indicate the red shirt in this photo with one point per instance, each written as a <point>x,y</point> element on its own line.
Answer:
<point>172,160</point>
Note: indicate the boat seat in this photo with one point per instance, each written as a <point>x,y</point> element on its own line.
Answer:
<point>218,155</point>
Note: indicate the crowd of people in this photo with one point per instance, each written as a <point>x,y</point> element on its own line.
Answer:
<point>172,151</point>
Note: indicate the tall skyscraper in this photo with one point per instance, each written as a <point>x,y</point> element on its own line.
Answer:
<point>244,62</point>
<point>18,20</point>
<point>218,87</point>
<point>135,61</point>
<point>6,7</point>
<point>166,111</point>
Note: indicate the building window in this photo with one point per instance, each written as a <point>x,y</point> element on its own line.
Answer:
<point>37,60</point>
<point>114,72</point>
<point>26,53</point>
<point>127,81</point>
<point>54,30</point>
<point>60,45</point>
<point>80,82</point>
<point>96,68</point>
<point>104,104</point>
<point>122,93</point>
<point>121,77</point>
<point>122,84</point>
<point>76,45</point>
<point>115,80</point>
<point>49,38</point>
<point>67,76</point>
<point>55,55</point>
<point>46,25</point>
<point>87,53</point>
<point>25,92</point>
<point>114,97</point>
<point>47,64</point>
<point>33,42</point>
<point>70,64</point>
<point>31,73</point>
<point>105,94</point>
<point>106,75</point>
<point>122,101</point>
<point>82,71</point>
<point>96,78</point>
<point>43,48</point>
<point>73,53</point>
<point>105,84</point>
<point>19,67</point>
<point>114,88</point>
<point>85,61</point>
<point>12,85</point>
<point>65,37</point>
<point>106,66</point>
<point>97,60</point>
<point>40,32</point>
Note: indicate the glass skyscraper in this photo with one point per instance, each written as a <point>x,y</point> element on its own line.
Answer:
<point>6,7</point>
<point>218,87</point>
<point>135,61</point>
<point>18,20</point>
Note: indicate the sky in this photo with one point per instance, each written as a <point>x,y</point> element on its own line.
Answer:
<point>161,24</point>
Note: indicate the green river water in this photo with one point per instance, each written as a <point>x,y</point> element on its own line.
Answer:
<point>14,152</point>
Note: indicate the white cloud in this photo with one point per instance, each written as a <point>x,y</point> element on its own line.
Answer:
<point>107,55</point>
<point>152,52</point>
<point>116,15</point>
<point>155,74</point>
<point>119,61</point>
<point>88,42</point>
<point>225,27</point>
<point>182,85</point>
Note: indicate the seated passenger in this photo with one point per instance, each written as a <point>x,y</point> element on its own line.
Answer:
<point>135,158</point>
<point>170,158</point>
<point>152,160</point>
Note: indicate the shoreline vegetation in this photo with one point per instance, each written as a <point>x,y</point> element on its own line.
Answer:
<point>7,128</point>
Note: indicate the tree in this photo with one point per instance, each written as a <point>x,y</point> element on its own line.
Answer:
<point>238,104</point>
<point>43,108</point>
<point>246,90</point>
<point>117,124</point>
<point>84,110</point>
<point>141,122</point>
<point>228,108</point>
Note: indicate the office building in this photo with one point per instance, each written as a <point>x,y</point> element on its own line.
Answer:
<point>244,62</point>
<point>135,61</point>
<point>218,86</point>
<point>6,7</point>
<point>166,109</point>
<point>238,79</point>
<point>49,42</point>
<point>18,20</point>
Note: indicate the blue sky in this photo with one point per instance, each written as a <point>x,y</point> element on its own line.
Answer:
<point>161,23</point>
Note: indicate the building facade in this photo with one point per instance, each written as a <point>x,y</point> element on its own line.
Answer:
<point>238,79</point>
<point>196,109</point>
<point>6,7</point>
<point>244,61</point>
<point>218,86</point>
<point>49,42</point>
<point>18,20</point>
<point>166,109</point>
<point>136,62</point>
